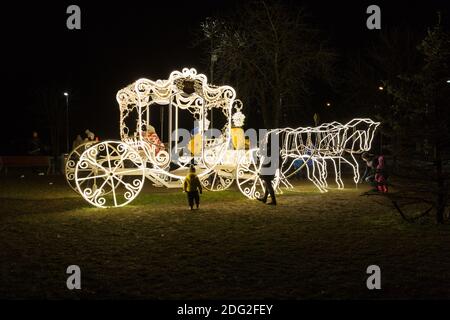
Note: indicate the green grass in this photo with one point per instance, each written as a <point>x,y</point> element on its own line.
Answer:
<point>310,246</point>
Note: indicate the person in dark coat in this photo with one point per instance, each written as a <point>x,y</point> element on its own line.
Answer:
<point>268,188</point>
<point>35,145</point>
<point>267,173</point>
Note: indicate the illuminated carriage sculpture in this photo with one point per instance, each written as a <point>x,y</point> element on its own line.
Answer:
<point>112,173</point>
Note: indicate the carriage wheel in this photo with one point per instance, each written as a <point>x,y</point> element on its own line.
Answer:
<point>218,180</point>
<point>109,174</point>
<point>71,164</point>
<point>247,176</point>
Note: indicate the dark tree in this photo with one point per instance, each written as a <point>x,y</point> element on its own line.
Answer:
<point>419,115</point>
<point>48,114</point>
<point>393,52</point>
<point>270,53</point>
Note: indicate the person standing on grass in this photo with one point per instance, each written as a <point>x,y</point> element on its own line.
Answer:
<point>35,145</point>
<point>268,168</point>
<point>192,187</point>
<point>268,188</point>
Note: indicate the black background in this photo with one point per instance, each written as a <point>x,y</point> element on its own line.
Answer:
<point>120,42</point>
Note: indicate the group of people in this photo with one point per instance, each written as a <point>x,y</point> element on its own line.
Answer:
<point>90,137</point>
<point>193,188</point>
<point>37,147</point>
<point>375,174</point>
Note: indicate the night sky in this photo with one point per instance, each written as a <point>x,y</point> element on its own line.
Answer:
<point>122,41</point>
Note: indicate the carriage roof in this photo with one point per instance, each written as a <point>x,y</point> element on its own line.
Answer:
<point>186,86</point>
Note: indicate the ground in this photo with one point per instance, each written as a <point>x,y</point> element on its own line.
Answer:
<point>310,246</point>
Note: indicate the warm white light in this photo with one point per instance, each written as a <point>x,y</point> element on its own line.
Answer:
<point>112,173</point>
<point>448,81</point>
<point>380,88</point>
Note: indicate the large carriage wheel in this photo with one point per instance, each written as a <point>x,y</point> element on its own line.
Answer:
<point>110,174</point>
<point>71,163</point>
<point>247,176</point>
<point>218,180</point>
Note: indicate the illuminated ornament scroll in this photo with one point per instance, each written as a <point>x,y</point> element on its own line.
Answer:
<point>71,163</point>
<point>238,117</point>
<point>110,174</point>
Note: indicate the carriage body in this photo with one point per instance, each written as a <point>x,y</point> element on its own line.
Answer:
<point>111,173</point>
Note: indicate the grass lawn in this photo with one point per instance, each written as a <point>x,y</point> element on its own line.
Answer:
<point>310,246</point>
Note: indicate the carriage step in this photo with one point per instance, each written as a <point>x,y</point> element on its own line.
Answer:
<point>173,184</point>
<point>170,184</point>
<point>158,182</point>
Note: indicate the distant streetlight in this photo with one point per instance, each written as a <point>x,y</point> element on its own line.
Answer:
<point>448,81</point>
<point>328,104</point>
<point>66,94</point>
<point>381,88</point>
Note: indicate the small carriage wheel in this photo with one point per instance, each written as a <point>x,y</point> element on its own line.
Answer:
<point>218,180</point>
<point>71,163</point>
<point>110,174</point>
<point>247,176</point>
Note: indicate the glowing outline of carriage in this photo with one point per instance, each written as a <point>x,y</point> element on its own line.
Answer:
<point>219,163</point>
<point>98,170</point>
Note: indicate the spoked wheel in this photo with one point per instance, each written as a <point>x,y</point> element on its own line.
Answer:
<point>218,180</point>
<point>71,164</point>
<point>109,174</point>
<point>247,176</point>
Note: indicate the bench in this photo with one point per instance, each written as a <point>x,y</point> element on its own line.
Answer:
<point>25,162</point>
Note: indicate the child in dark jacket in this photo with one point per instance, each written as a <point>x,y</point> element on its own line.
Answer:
<point>192,187</point>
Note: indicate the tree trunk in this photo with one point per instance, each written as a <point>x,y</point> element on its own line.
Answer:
<point>441,192</point>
